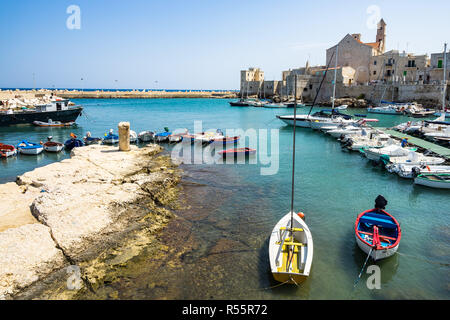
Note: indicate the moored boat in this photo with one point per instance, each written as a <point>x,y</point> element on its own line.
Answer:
<point>434,180</point>
<point>111,138</point>
<point>238,151</point>
<point>25,147</point>
<point>53,124</point>
<point>377,233</point>
<point>52,146</point>
<point>291,250</point>
<point>7,150</point>
<point>88,139</point>
<point>225,140</point>
<point>73,142</point>
<point>146,136</point>
<point>133,137</point>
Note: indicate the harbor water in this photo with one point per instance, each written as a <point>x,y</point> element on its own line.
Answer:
<point>233,208</point>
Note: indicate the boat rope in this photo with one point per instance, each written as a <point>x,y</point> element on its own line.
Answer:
<point>426,260</point>
<point>321,83</point>
<point>364,266</point>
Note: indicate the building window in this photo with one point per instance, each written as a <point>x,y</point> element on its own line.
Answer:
<point>375,63</point>
<point>440,64</point>
<point>310,86</point>
<point>374,73</point>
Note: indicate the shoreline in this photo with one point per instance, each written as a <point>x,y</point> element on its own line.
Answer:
<point>46,228</point>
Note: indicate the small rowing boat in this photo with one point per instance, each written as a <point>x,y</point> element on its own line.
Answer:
<point>146,136</point>
<point>25,147</point>
<point>377,233</point>
<point>51,146</point>
<point>7,150</point>
<point>291,250</point>
<point>88,140</point>
<point>111,138</point>
<point>133,137</point>
<point>163,136</point>
<point>53,124</point>
<point>225,140</point>
<point>436,180</point>
<point>177,136</point>
<point>73,142</point>
<point>238,151</point>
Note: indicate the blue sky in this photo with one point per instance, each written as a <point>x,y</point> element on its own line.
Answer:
<point>195,44</point>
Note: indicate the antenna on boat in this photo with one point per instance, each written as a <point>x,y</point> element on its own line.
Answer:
<point>321,83</point>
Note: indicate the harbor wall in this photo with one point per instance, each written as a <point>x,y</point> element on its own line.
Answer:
<point>100,94</point>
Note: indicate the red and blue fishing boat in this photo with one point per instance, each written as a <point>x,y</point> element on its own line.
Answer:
<point>377,233</point>
<point>238,151</point>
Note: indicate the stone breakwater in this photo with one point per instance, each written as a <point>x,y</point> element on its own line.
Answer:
<point>71,212</point>
<point>112,94</point>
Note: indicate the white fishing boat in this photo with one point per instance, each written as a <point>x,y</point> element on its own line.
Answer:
<point>413,158</point>
<point>439,133</point>
<point>51,146</point>
<point>437,180</point>
<point>7,150</point>
<point>392,150</point>
<point>30,148</point>
<point>146,136</point>
<point>177,135</point>
<point>342,107</point>
<point>390,109</point>
<point>410,171</point>
<point>291,250</point>
<point>133,137</point>
<point>371,140</point>
<point>207,137</point>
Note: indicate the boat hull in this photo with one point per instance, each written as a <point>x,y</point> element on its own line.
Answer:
<point>69,115</point>
<point>31,151</point>
<point>376,254</point>
<point>432,183</point>
<point>303,258</point>
<point>53,147</point>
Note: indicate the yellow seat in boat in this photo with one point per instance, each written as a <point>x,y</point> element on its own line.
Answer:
<point>293,229</point>
<point>286,251</point>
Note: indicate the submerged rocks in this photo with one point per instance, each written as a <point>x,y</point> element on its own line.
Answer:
<point>84,204</point>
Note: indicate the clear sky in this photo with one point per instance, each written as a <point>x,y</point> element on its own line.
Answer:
<point>195,44</point>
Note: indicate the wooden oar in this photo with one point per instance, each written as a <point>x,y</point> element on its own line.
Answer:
<point>364,266</point>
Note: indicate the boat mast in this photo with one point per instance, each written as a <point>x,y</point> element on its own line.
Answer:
<point>335,76</point>
<point>445,78</point>
<point>293,160</point>
<point>320,85</point>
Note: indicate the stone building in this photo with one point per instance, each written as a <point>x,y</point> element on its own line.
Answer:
<point>251,81</point>
<point>436,71</point>
<point>357,54</point>
<point>394,66</point>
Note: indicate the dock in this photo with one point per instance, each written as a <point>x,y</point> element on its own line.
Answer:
<point>441,151</point>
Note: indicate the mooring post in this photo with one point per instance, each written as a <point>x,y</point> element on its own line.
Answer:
<point>124,136</point>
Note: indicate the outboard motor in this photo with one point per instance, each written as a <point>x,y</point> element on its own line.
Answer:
<point>415,171</point>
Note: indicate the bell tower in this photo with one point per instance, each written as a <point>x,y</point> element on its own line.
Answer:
<point>381,36</point>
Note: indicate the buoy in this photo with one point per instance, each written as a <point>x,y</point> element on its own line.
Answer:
<point>301,215</point>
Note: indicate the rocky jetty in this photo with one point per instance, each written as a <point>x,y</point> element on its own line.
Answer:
<point>71,211</point>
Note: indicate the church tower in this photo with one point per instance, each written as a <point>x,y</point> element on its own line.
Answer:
<point>381,36</point>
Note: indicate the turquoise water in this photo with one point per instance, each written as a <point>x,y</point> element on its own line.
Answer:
<point>241,206</point>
